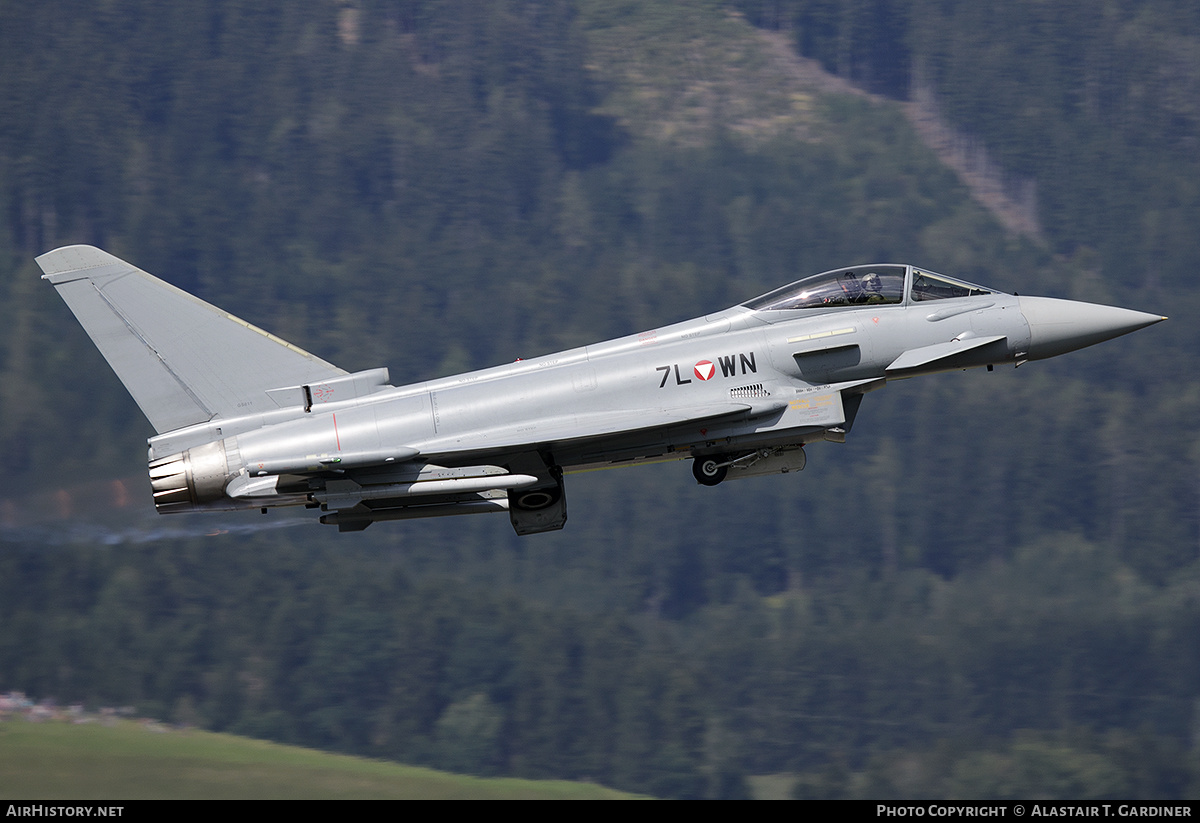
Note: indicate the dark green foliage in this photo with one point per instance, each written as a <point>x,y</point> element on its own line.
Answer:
<point>354,657</point>
<point>1095,101</point>
<point>865,41</point>
<point>432,187</point>
<point>1069,764</point>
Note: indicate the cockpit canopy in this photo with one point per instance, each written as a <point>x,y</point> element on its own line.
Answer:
<point>863,285</point>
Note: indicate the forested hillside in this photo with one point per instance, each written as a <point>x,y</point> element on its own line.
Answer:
<point>998,570</point>
<point>1097,101</point>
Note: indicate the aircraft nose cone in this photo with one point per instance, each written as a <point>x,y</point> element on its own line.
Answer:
<point>1058,326</point>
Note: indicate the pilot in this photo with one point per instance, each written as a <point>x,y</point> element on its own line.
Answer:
<point>872,289</point>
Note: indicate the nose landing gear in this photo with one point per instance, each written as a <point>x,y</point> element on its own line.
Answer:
<point>711,469</point>
<point>708,470</point>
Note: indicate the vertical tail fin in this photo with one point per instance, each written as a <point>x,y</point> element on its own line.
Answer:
<point>183,360</point>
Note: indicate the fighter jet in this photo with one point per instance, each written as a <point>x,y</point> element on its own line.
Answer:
<point>245,420</point>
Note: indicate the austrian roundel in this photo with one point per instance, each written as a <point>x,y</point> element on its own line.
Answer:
<point>705,369</point>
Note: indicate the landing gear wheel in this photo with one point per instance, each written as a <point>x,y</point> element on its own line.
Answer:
<point>708,471</point>
<point>536,499</point>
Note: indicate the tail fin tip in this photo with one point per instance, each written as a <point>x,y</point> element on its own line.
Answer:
<point>70,259</point>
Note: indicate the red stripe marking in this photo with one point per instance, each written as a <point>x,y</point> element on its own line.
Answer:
<point>335,432</point>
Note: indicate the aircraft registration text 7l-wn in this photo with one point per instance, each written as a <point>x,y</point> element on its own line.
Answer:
<point>245,420</point>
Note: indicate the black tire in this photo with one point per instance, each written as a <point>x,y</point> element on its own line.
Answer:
<point>708,471</point>
<point>536,499</point>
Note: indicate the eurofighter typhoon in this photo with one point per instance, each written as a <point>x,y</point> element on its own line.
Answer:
<point>245,420</point>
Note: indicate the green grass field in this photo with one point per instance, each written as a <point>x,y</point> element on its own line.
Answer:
<point>127,761</point>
